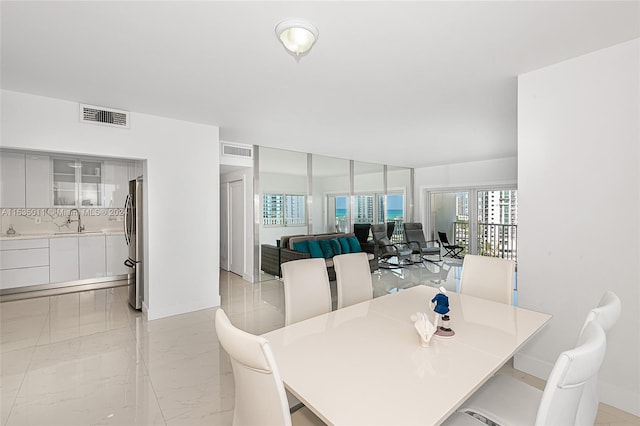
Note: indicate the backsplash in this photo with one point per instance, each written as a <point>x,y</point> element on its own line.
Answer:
<point>29,221</point>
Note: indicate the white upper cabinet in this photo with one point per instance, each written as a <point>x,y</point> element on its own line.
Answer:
<point>12,179</point>
<point>116,183</point>
<point>77,183</point>
<point>38,180</point>
<point>65,188</point>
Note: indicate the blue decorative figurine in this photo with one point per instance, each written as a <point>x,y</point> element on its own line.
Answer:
<point>442,302</point>
<point>442,308</point>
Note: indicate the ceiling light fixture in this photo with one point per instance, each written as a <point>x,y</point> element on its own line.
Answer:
<point>297,36</point>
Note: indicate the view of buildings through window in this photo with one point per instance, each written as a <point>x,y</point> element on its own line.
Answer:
<point>369,208</point>
<point>283,209</point>
<point>497,216</point>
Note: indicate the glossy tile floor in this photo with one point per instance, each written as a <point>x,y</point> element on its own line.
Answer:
<point>88,359</point>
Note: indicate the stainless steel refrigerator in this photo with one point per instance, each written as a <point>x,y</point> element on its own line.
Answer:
<point>134,236</point>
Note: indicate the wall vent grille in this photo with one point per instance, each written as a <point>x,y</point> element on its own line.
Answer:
<point>101,115</point>
<point>237,151</point>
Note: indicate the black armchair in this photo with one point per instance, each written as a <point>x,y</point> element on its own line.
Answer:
<point>418,243</point>
<point>389,250</point>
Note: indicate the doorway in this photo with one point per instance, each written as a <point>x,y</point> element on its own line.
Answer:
<point>236,227</point>
<point>482,220</point>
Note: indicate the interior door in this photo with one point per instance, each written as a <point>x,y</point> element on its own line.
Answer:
<point>236,227</point>
<point>224,226</point>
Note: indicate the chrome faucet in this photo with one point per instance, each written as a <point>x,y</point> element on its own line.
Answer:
<point>79,219</point>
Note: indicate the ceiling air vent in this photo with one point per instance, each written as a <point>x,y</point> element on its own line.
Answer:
<point>237,151</point>
<point>102,115</point>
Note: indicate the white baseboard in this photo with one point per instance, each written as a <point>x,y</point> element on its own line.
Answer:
<point>619,398</point>
<point>168,311</point>
<point>530,365</point>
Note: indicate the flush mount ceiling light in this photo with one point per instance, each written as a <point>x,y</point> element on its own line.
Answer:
<point>297,36</point>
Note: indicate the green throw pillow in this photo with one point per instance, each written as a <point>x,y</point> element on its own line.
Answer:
<point>302,246</point>
<point>344,243</point>
<point>335,245</point>
<point>314,249</point>
<point>325,245</point>
<point>354,244</point>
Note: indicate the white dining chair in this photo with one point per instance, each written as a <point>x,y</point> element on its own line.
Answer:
<point>488,277</point>
<point>606,314</point>
<point>306,289</point>
<point>259,392</point>
<point>506,400</point>
<point>353,278</point>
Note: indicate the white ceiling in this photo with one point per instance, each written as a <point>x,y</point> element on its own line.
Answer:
<point>403,83</point>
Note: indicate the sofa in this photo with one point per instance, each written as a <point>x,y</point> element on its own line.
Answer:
<point>295,247</point>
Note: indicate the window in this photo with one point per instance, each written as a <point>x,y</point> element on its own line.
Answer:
<point>283,209</point>
<point>363,209</point>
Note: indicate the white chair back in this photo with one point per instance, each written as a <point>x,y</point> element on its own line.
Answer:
<point>259,393</point>
<point>488,277</point>
<point>353,278</point>
<point>573,368</point>
<point>306,289</point>
<point>606,314</point>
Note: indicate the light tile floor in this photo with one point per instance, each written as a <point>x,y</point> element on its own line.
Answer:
<point>88,359</point>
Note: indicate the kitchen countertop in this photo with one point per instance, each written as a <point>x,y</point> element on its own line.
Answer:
<point>5,237</point>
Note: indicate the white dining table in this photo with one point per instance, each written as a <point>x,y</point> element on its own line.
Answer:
<point>364,365</point>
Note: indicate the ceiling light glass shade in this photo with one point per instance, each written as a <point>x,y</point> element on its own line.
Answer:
<point>296,35</point>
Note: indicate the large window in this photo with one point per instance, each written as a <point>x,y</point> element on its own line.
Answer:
<point>498,223</point>
<point>483,221</point>
<point>283,209</point>
<point>341,213</point>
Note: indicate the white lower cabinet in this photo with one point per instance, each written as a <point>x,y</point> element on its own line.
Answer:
<point>117,253</point>
<point>63,259</point>
<point>92,257</point>
<point>24,263</point>
<point>14,278</point>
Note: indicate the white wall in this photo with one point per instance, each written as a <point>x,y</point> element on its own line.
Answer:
<point>181,261</point>
<point>579,213</point>
<point>497,172</point>
<point>246,175</point>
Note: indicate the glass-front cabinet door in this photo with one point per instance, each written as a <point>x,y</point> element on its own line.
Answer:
<point>90,184</point>
<point>77,183</point>
<point>64,183</point>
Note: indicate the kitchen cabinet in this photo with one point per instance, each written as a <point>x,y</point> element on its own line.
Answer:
<point>64,183</point>
<point>91,251</point>
<point>12,179</point>
<point>24,263</point>
<point>90,184</point>
<point>38,181</point>
<point>63,259</point>
<point>77,183</point>
<point>116,183</point>
<point>117,253</point>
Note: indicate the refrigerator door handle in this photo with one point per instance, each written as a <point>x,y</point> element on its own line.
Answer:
<point>127,213</point>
